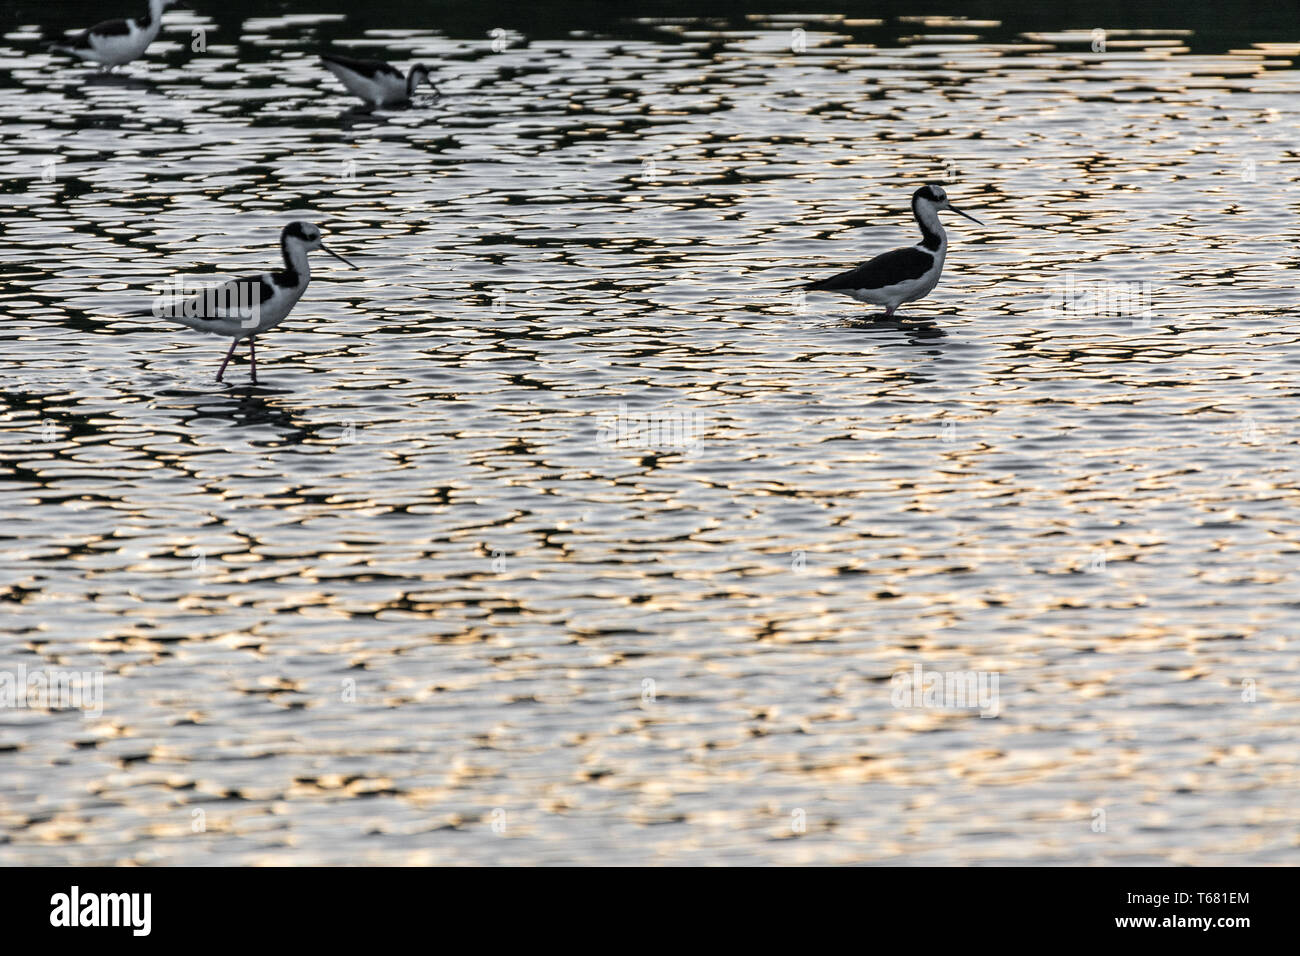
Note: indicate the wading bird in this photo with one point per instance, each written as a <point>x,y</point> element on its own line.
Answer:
<point>378,83</point>
<point>243,308</point>
<point>117,42</point>
<point>902,275</point>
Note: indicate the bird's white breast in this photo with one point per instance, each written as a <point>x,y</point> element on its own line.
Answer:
<point>282,301</point>
<point>123,48</point>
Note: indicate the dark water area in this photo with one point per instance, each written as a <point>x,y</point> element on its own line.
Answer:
<point>1211,27</point>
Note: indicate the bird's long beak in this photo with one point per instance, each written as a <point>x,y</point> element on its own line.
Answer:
<point>960,213</point>
<point>336,255</point>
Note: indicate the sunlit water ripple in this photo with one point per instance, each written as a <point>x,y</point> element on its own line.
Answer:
<point>624,649</point>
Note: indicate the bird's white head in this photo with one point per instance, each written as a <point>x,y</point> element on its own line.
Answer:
<point>931,197</point>
<point>303,237</point>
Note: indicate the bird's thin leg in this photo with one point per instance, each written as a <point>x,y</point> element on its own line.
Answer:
<point>222,370</point>
<point>889,311</point>
<point>252,357</point>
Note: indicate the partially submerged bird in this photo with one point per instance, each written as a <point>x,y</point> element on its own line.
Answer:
<point>243,308</point>
<point>117,42</point>
<point>902,275</point>
<point>377,83</point>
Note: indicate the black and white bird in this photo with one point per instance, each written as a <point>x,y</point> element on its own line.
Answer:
<point>902,275</point>
<point>243,308</point>
<point>378,83</point>
<point>117,42</point>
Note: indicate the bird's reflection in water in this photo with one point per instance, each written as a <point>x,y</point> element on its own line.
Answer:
<point>251,406</point>
<point>242,406</point>
<point>361,115</point>
<point>916,330</point>
<point>124,81</point>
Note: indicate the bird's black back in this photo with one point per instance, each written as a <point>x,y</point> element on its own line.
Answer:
<point>887,269</point>
<point>367,68</point>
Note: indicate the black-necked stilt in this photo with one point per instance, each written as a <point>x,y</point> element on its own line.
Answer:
<point>903,275</point>
<point>378,83</point>
<point>117,42</point>
<point>243,308</point>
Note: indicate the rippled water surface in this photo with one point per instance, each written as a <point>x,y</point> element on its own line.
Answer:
<point>563,530</point>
